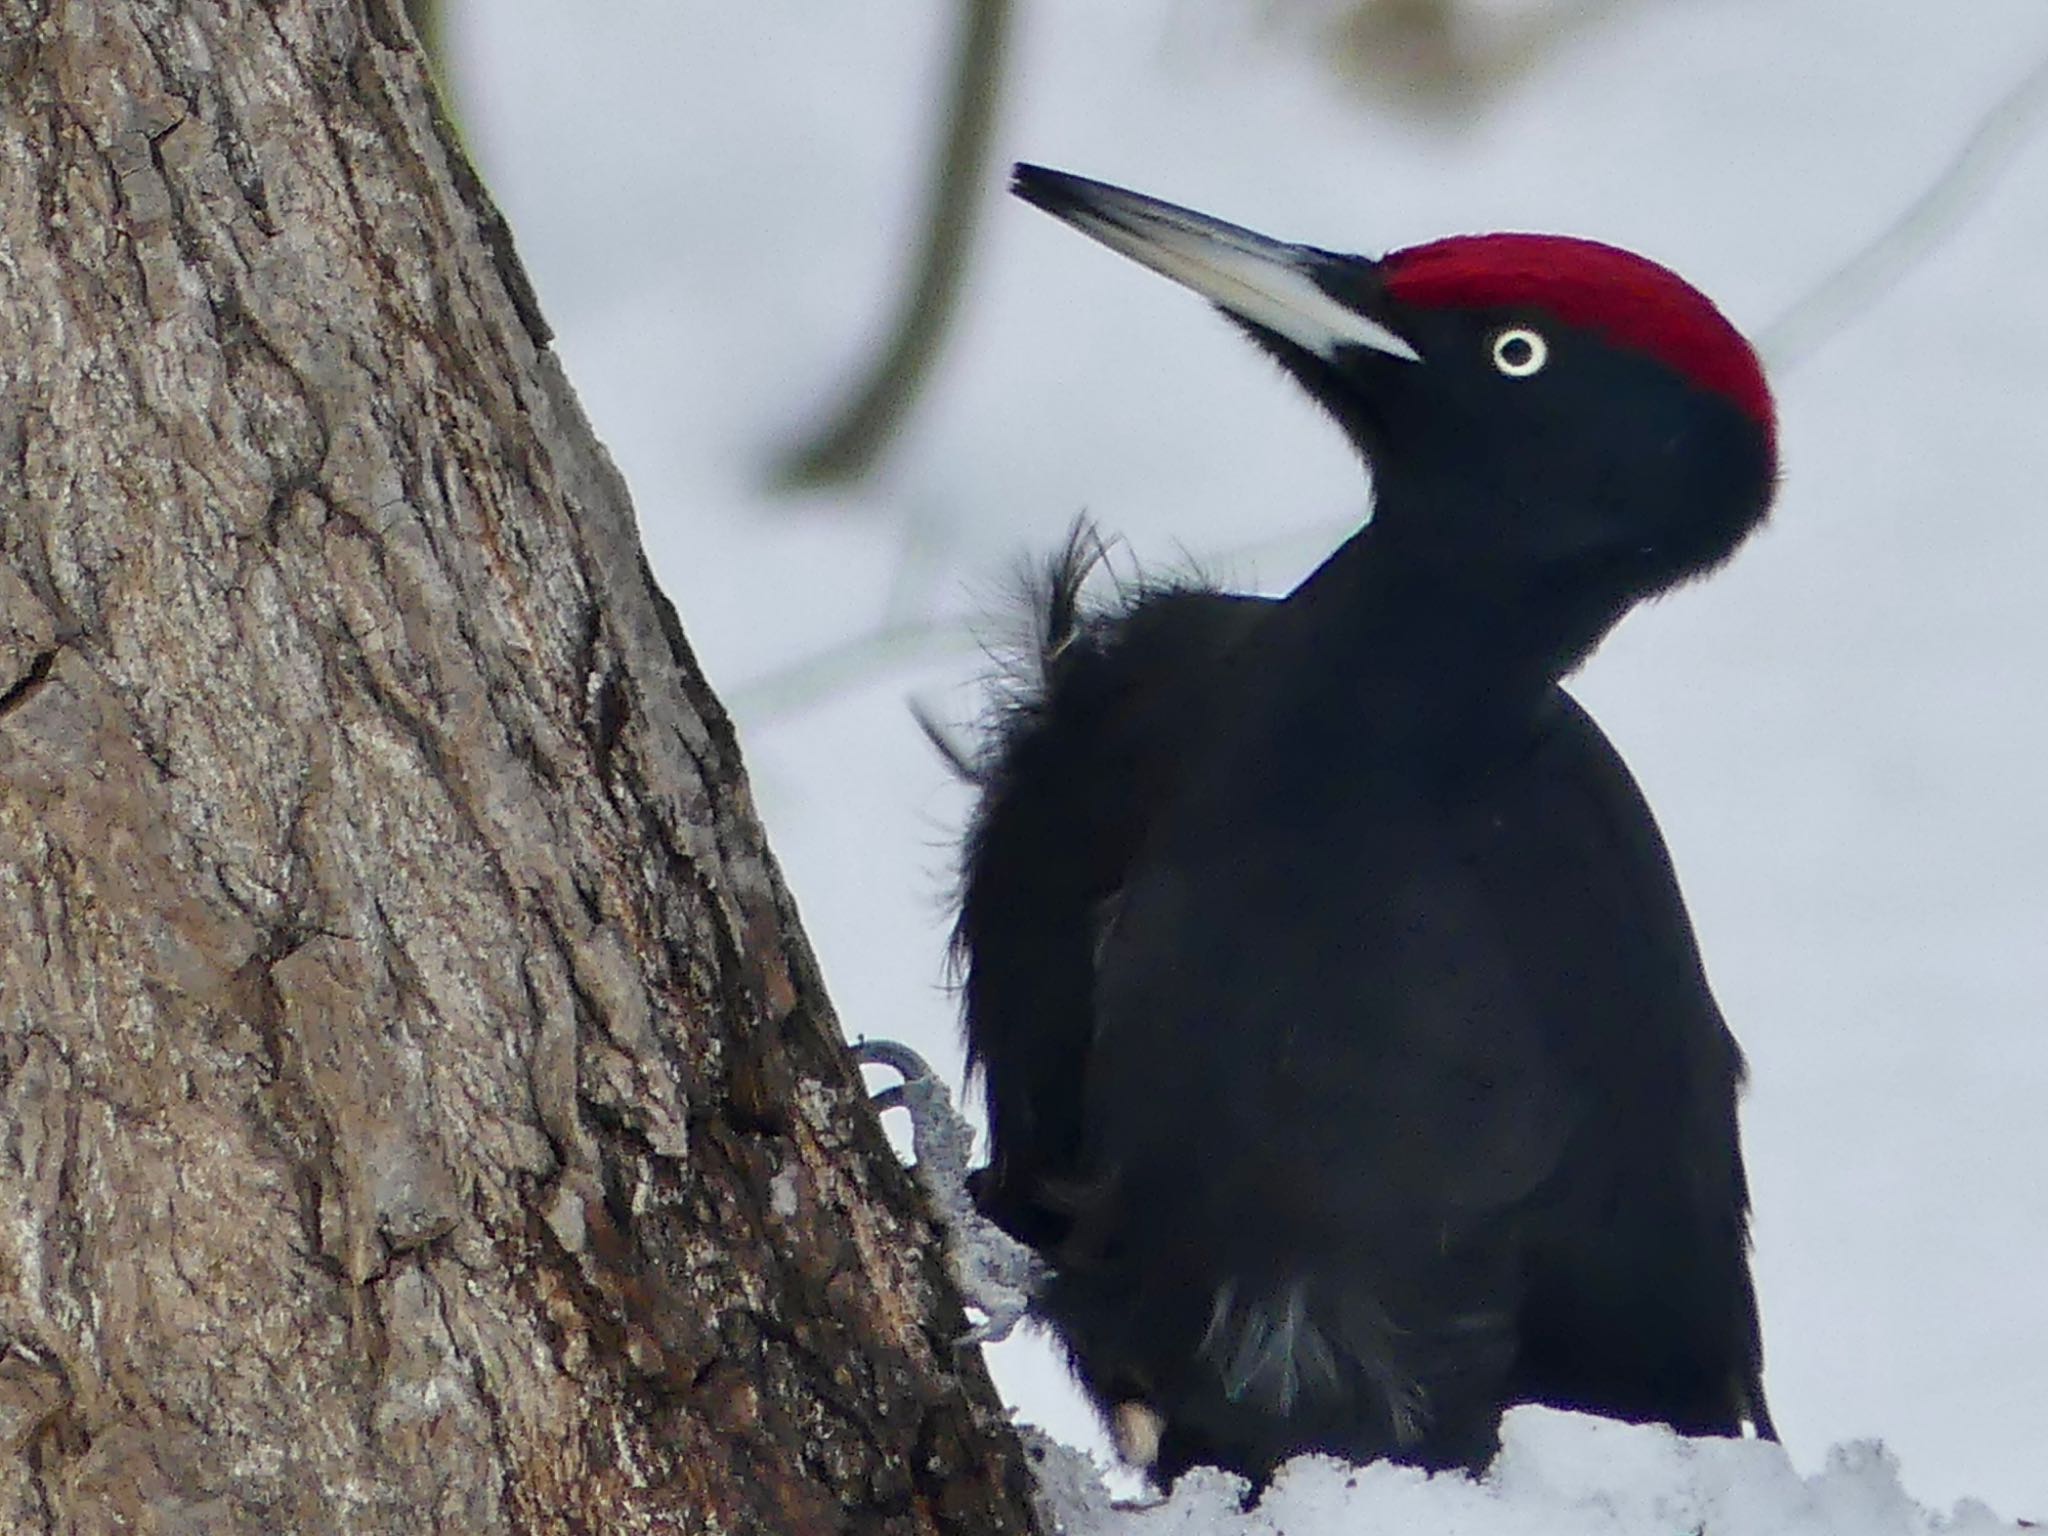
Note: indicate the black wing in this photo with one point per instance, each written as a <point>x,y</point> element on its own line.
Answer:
<point>1083,752</point>
<point>1638,1300</point>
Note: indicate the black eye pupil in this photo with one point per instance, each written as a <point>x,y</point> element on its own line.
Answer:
<point>1516,351</point>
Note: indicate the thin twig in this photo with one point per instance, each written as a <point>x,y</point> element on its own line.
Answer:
<point>823,674</point>
<point>1834,303</point>
<point>852,439</point>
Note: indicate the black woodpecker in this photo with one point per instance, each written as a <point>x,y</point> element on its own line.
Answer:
<point>1347,1050</point>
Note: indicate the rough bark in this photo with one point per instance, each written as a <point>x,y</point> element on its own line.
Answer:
<point>418,1107</point>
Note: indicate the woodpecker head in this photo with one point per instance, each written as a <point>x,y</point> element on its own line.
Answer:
<point>1547,401</point>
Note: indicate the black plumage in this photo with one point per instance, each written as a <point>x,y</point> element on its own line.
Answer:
<point>1346,1046</point>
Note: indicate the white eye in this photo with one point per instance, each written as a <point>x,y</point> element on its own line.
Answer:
<point>1519,351</point>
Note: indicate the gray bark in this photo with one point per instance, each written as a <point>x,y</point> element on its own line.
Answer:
<point>418,1107</point>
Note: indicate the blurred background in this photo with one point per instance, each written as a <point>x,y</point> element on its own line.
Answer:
<point>741,217</point>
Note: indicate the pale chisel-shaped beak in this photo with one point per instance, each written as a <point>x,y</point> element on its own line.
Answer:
<point>1266,283</point>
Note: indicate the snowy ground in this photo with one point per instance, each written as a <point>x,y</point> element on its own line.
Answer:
<point>1843,733</point>
<point>1558,1474</point>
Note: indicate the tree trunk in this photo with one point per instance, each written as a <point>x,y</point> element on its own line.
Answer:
<point>418,1108</point>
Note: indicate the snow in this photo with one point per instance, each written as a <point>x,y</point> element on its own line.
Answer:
<point>1842,733</point>
<point>1558,1474</point>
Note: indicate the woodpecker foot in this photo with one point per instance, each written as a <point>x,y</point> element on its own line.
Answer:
<point>996,1274</point>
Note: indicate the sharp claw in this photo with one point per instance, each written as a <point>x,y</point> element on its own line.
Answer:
<point>939,1137</point>
<point>889,1098</point>
<point>893,1054</point>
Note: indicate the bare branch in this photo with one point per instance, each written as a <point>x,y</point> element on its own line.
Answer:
<point>846,447</point>
<point>1838,300</point>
